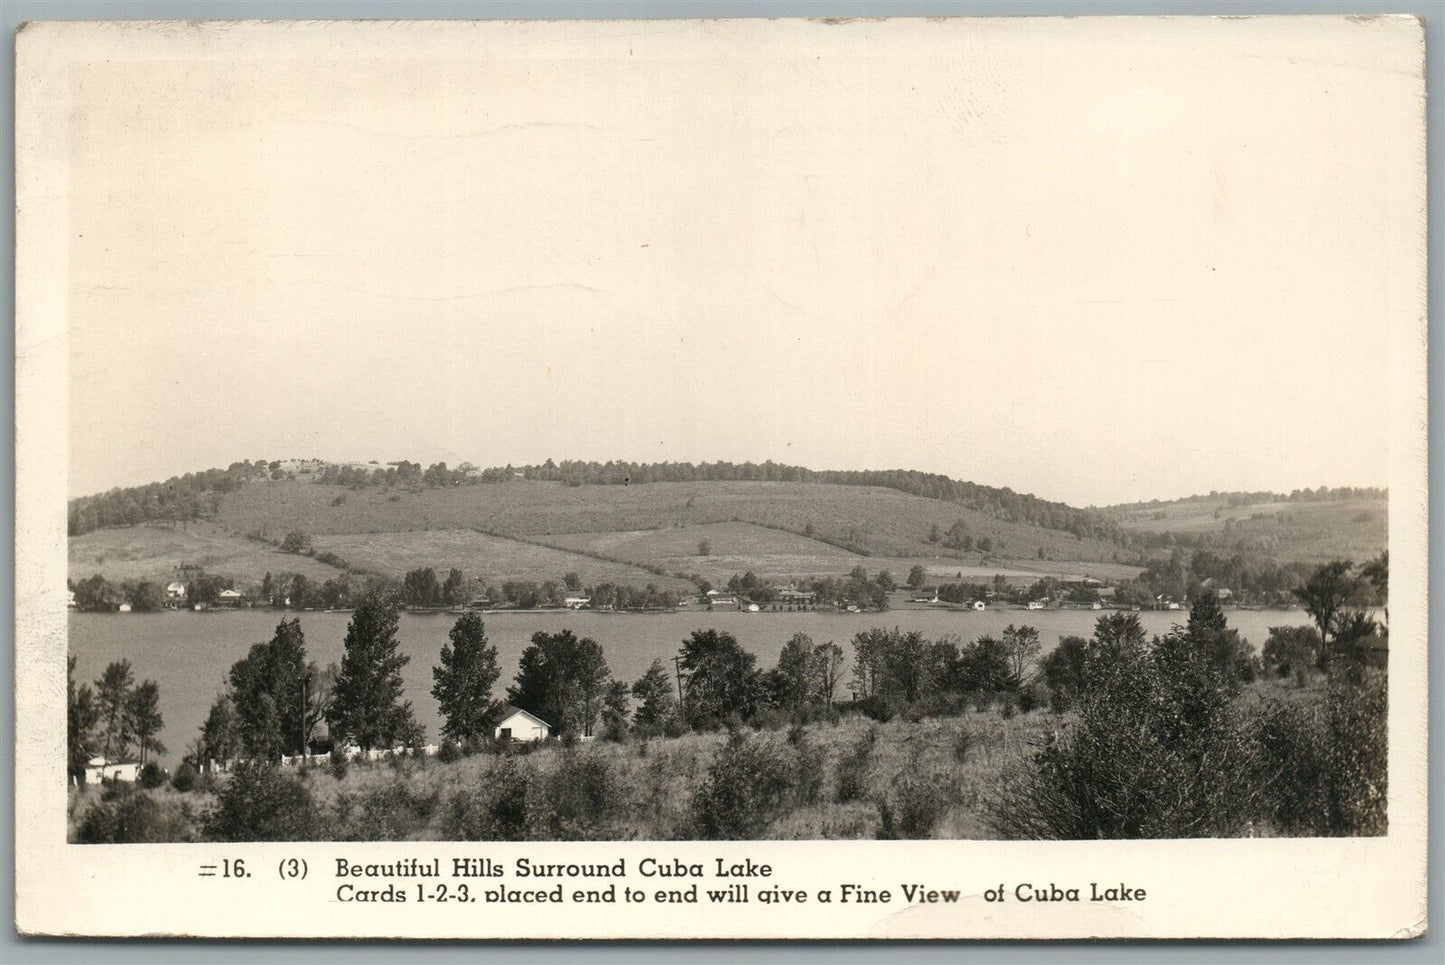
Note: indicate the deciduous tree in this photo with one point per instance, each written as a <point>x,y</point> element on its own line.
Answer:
<point>1324,596</point>
<point>562,680</point>
<point>719,678</point>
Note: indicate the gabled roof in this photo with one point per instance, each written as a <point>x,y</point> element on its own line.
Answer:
<point>509,711</point>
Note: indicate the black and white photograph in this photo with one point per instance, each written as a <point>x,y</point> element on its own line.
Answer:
<point>579,448</point>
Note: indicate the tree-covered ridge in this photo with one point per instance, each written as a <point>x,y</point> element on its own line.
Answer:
<point>192,496</point>
<point>1236,499</point>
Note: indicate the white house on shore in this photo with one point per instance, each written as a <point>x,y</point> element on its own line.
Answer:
<point>518,725</point>
<point>176,591</point>
<point>99,769</point>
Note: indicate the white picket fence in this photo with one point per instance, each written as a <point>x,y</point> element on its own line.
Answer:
<point>353,753</point>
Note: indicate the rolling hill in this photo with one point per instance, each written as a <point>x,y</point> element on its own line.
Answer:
<point>1312,528</point>
<point>524,525</point>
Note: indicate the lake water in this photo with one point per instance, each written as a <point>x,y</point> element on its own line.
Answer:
<point>188,654</point>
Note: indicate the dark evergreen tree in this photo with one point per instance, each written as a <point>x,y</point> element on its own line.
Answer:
<point>653,691</point>
<point>145,719</point>
<point>463,681</point>
<point>270,694</point>
<point>81,716</point>
<point>112,694</point>
<point>366,702</point>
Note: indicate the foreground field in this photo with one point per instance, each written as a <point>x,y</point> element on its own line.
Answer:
<point>842,778</point>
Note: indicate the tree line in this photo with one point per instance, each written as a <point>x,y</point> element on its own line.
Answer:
<point>111,719</point>
<point>1249,580</point>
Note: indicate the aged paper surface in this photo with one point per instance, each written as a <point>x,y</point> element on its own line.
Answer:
<point>912,244</point>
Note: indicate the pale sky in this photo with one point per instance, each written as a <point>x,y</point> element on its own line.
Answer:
<point>1098,261</point>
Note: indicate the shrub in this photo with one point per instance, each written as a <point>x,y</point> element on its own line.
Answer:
<point>1155,753</point>
<point>581,794</point>
<point>259,803</point>
<point>853,767</point>
<point>963,745</point>
<point>151,776</point>
<point>1325,759</point>
<point>449,753</point>
<point>808,771</point>
<point>498,812</point>
<point>1029,699</point>
<point>877,708</point>
<point>919,802</point>
<point>392,812</point>
<point>184,779</point>
<point>134,818</point>
<point>339,765</point>
<point>1289,650</point>
<point>743,792</point>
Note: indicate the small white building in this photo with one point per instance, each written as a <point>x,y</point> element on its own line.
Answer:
<point>229,598</point>
<point>518,725</point>
<point>577,602</point>
<point>99,769</point>
<point>175,591</point>
<point>979,605</point>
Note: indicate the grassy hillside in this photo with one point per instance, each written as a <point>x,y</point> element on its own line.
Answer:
<point>1286,529</point>
<point>777,554</point>
<point>493,559</point>
<point>152,552</point>
<point>878,521</point>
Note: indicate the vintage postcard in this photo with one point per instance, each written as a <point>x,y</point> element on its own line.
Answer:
<point>904,478</point>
